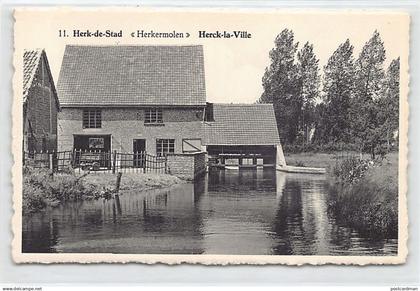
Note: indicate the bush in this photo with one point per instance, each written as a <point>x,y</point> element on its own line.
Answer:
<point>367,207</point>
<point>351,169</point>
<point>33,198</point>
<point>41,188</point>
<point>365,197</point>
<point>66,187</point>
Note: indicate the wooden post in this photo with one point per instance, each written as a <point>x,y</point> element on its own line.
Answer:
<point>50,161</point>
<point>145,162</point>
<point>114,162</point>
<point>116,196</point>
<point>118,204</point>
<point>114,216</point>
<point>117,186</point>
<point>73,158</point>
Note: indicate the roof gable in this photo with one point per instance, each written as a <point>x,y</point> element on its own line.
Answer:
<point>242,124</point>
<point>132,75</point>
<point>32,60</point>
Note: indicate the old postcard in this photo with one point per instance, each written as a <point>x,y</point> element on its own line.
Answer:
<point>210,136</point>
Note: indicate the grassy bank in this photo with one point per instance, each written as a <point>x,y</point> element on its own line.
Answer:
<point>317,160</point>
<point>131,181</point>
<point>362,195</point>
<point>42,189</point>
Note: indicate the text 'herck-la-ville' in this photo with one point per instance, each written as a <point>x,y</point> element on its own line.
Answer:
<point>224,34</point>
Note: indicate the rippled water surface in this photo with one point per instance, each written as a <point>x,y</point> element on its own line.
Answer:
<point>227,212</point>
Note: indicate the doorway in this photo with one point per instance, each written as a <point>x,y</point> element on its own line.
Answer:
<point>139,150</point>
<point>93,143</point>
<point>92,149</point>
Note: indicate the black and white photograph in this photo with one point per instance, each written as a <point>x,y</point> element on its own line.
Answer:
<point>210,137</point>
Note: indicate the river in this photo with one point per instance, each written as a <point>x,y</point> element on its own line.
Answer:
<point>251,212</point>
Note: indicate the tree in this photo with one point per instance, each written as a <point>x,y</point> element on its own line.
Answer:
<point>388,104</point>
<point>368,88</point>
<point>280,83</point>
<point>309,81</point>
<point>338,90</point>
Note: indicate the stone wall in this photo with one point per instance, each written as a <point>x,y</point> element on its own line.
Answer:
<point>126,124</point>
<point>187,166</point>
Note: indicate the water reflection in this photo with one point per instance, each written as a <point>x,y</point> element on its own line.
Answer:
<point>301,222</point>
<point>227,212</point>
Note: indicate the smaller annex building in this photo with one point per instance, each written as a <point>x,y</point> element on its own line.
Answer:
<point>242,135</point>
<point>40,103</point>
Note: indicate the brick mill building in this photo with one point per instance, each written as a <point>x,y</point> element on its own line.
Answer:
<point>153,99</point>
<point>40,103</point>
<point>132,98</point>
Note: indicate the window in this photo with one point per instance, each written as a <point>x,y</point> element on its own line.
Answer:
<point>153,115</point>
<point>92,118</point>
<point>164,146</point>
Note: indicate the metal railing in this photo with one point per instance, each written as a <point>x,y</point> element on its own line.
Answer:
<point>96,160</point>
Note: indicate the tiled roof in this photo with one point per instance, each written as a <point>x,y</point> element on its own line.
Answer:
<point>132,75</point>
<point>30,64</point>
<point>242,124</point>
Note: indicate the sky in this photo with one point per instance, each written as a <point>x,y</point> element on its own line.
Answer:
<point>233,67</point>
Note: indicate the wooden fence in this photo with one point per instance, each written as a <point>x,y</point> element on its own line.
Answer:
<point>98,161</point>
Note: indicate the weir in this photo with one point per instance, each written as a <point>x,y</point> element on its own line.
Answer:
<point>283,167</point>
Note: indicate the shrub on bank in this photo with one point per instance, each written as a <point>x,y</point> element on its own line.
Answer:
<point>42,188</point>
<point>367,199</point>
<point>351,169</point>
<point>33,198</point>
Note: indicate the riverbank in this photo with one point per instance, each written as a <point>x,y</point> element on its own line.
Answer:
<point>366,200</point>
<point>131,181</point>
<point>42,189</point>
<point>317,160</point>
